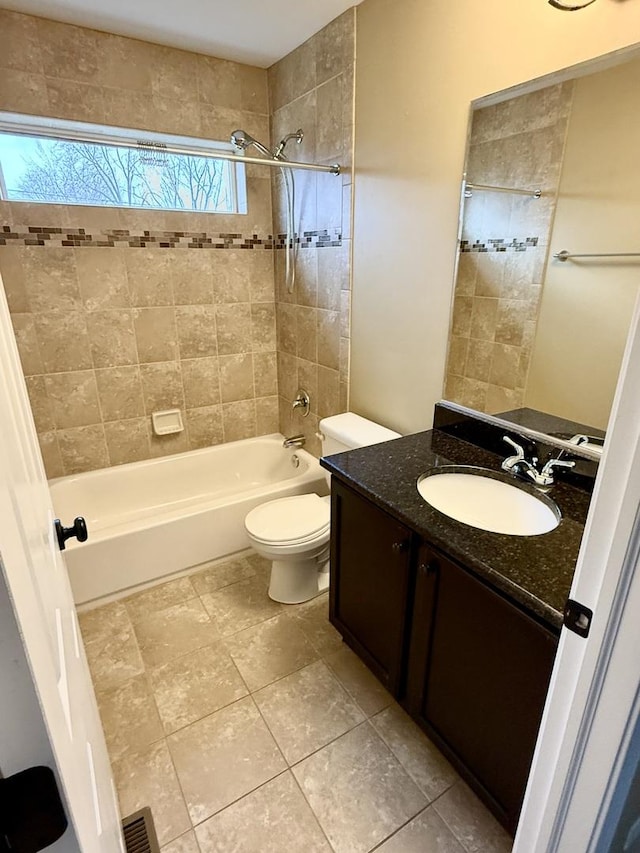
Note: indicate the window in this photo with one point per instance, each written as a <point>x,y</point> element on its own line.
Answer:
<point>60,162</point>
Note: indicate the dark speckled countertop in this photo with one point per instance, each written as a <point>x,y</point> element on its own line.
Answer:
<point>535,571</point>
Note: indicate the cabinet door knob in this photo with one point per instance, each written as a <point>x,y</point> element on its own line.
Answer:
<point>429,568</point>
<point>401,546</point>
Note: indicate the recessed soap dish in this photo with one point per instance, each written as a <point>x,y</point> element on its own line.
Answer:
<point>167,422</point>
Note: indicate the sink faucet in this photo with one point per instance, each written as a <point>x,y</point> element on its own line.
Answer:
<point>517,464</point>
<point>294,441</point>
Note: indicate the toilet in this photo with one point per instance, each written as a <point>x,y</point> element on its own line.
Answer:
<point>294,532</point>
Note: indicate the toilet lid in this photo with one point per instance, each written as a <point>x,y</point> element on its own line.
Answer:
<point>295,519</point>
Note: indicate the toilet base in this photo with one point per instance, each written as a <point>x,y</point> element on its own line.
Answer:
<point>296,581</point>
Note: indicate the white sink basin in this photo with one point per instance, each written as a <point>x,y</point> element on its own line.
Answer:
<point>488,503</point>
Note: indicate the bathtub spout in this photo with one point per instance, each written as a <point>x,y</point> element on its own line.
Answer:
<point>294,441</point>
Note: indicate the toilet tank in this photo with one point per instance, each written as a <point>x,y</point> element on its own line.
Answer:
<point>348,431</point>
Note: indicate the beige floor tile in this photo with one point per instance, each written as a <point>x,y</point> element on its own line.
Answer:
<point>307,710</point>
<point>114,657</point>
<point>102,622</point>
<point>187,843</point>
<point>147,778</point>
<point>195,685</point>
<point>170,633</point>
<point>313,619</point>
<point>471,822</point>
<point>273,819</point>
<point>218,575</point>
<point>423,761</point>
<point>160,597</point>
<point>269,651</point>
<point>427,833</point>
<point>358,790</point>
<point>129,717</point>
<point>260,565</point>
<point>359,681</point>
<point>224,756</point>
<point>240,605</point>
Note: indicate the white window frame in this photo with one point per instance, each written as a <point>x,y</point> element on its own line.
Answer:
<point>78,131</point>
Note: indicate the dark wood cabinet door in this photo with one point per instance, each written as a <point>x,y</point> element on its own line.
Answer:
<point>370,576</point>
<point>485,672</point>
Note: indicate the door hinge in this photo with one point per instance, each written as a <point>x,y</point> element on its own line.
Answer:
<point>577,618</point>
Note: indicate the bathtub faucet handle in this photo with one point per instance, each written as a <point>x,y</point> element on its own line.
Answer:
<point>294,441</point>
<point>303,402</point>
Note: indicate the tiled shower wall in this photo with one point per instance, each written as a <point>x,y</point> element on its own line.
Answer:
<point>109,334</point>
<point>312,89</point>
<point>518,143</point>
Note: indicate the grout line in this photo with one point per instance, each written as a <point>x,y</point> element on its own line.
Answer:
<point>400,828</point>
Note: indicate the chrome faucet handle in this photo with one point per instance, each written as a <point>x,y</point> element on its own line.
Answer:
<point>511,462</point>
<point>547,470</point>
<point>519,450</point>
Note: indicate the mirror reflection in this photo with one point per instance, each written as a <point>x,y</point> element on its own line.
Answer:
<point>529,330</point>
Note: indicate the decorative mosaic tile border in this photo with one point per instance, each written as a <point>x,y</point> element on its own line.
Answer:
<point>499,245</point>
<point>125,239</point>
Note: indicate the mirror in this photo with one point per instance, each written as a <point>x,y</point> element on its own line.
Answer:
<point>530,331</point>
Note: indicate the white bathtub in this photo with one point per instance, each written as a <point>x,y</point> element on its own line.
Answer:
<point>153,518</point>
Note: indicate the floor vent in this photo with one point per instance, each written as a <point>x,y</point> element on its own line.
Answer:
<point>140,833</point>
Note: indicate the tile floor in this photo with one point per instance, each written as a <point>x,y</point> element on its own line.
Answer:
<point>249,727</point>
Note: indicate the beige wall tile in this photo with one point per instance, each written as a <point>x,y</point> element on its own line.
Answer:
<point>73,398</point>
<point>12,270</point>
<point>329,338</point>
<point>201,382</point>
<point>263,326</point>
<point>23,92</point>
<point>328,392</point>
<point>51,280</point>
<point>120,393</point>
<point>123,63</point>
<point>308,379</point>
<point>267,416</point>
<point>83,448</point>
<point>335,44</point>
<point>234,328</point>
<point>196,326</point>
<point>51,454</point>
<point>306,287</point>
<point>236,377</point>
<point>70,99</point>
<point>505,365</point>
<point>191,276</point>
<point>162,386</point>
<point>165,445</point>
<point>102,278</point>
<point>287,374</point>
<point>479,359</point>
<point>149,276</point>
<point>24,326</point>
<point>156,334</point>
<point>112,335</point>
<point>19,45</point>
<point>307,333</point>
<point>265,374</point>
<point>67,51</point>
<point>484,316</point>
<point>457,355</point>
<point>63,341</point>
<point>332,273</point>
<point>40,403</point>
<point>239,420</point>
<point>204,426</point>
<point>293,75</point>
<point>127,441</point>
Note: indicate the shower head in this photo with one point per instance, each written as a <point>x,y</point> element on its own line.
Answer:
<point>298,136</point>
<point>242,140</point>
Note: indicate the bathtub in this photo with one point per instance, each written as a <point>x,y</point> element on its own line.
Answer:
<point>154,518</point>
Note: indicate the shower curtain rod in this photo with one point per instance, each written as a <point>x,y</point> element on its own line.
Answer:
<point>38,129</point>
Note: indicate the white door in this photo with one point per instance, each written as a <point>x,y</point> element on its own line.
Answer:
<point>38,585</point>
<point>589,730</point>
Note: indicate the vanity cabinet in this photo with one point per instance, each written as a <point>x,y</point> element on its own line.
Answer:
<point>479,670</point>
<point>470,666</point>
<point>370,583</point>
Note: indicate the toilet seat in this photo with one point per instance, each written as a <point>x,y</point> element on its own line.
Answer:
<point>290,521</point>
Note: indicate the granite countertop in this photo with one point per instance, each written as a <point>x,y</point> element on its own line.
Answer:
<point>534,571</point>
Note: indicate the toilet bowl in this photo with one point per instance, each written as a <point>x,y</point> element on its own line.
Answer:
<point>294,532</point>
